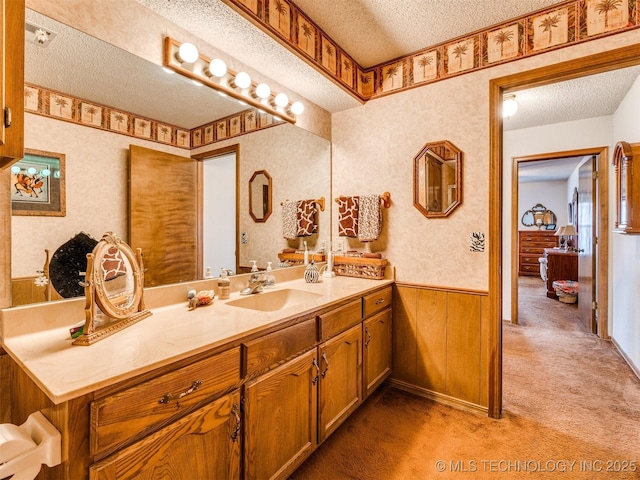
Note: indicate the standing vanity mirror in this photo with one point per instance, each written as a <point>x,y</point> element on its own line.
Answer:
<point>113,290</point>
<point>260,196</point>
<point>437,179</point>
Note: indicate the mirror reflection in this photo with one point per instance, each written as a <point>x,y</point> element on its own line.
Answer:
<point>97,159</point>
<point>260,196</point>
<point>437,186</point>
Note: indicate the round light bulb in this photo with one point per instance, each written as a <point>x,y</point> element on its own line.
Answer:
<point>188,53</point>
<point>15,169</point>
<point>31,171</point>
<point>263,90</point>
<point>509,106</point>
<point>46,172</point>
<point>297,108</point>
<point>243,80</point>
<point>217,68</point>
<point>282,100</point>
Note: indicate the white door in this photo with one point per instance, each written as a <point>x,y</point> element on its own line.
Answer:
<point>586,243</point>
<point>219,213</point>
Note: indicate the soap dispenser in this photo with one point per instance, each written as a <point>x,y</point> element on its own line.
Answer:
<point>254,266</point>
<point>270,280</point>
<point>224,285</point>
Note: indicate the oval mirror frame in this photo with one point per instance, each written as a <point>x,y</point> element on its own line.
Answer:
<point>437,179</point>
<point>260,206</point>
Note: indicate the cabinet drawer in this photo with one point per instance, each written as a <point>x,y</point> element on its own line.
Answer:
<point>338,320</point>
<point>530,268</point>
<point>122,416</point>
<point>529,259</point>
<point>268,351</point>
<point>377,301</point>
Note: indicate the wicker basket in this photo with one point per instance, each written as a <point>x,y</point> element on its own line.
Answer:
<point>372,268</point>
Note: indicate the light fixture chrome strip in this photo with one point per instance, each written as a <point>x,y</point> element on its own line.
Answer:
<point>235,85</point>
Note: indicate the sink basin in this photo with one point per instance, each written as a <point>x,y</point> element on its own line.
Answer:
<point>275,300</point>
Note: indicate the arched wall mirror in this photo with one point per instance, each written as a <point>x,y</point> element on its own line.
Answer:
<point>437,179</point>
<point>260,190</point>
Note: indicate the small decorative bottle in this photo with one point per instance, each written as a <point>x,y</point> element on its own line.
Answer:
<point>270,280</point>
<point>311,273</point>
<point>224,285</point>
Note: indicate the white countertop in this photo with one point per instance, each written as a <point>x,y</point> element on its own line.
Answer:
<point>64,371</point>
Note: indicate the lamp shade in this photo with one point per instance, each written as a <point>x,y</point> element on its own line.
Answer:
<point>560,231</point>
<point>569,230</point>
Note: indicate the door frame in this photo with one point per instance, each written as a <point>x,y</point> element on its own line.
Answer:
<point>601,62</point>
<point>602,209</point>
<point>201,157</point>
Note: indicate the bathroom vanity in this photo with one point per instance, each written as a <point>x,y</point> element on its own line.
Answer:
<point>229,390</point>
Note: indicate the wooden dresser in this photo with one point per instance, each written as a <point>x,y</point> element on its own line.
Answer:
<point>531,247</point>
<point>561,265</point>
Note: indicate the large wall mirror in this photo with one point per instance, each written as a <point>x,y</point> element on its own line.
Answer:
<point>437,179</point>
<point>81,66</point>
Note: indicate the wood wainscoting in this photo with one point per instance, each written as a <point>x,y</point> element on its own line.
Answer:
<point>441,344</point>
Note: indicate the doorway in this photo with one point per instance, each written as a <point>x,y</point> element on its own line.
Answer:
<point>585,164</point>
<point>218,199</point>
<point>597,63</point>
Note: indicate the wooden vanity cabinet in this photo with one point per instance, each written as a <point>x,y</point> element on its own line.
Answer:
<point>280,414</point>
<point>203,444</point>
<point>12,18</point>
<point>377,343</point>
<point>340,389</point>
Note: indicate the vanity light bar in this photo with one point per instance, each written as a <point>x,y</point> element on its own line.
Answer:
<point>197,71</point>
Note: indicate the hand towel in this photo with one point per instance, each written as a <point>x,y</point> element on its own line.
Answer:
<point>306,218</point>
<point>369,218</point>
<point>348,217</point>
<point>290,220</point>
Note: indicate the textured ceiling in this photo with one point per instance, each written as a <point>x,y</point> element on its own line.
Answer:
<point>371,31</point>
<point>375,31</point>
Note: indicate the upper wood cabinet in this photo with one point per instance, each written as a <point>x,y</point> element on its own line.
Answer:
<point>627,188</point>
<point>12,18</point>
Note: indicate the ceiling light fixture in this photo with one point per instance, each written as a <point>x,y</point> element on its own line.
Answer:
<point>188,53</point>
<point>509,105</point>
<point>38,35</point>
<point>217,68</point>
<point>214,74</point>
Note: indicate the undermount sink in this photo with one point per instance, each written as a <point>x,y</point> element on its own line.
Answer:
<point>275,300</point>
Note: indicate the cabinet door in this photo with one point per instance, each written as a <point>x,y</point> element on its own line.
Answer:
<point>340,390</point>
<point>281,418</point>
<point>12,17</point>
<point>204,444</point>
<point>377,350</point>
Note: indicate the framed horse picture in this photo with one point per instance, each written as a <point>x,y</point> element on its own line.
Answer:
<point>38,184</point>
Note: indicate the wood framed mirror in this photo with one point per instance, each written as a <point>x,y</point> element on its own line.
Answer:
<point>437,179</point>
<point>260,196</point>
<point>113,289</point>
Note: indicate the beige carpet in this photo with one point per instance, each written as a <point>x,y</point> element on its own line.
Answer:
<point>571,410</point>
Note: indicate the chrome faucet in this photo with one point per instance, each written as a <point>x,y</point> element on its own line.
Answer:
<point>256,284</point>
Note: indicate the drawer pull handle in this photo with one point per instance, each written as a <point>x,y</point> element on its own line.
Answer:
<point>366,344</point>
<point>167,398</point>
<point>324,357</point>
<point>315,364</point>
<point>236,430</point>
<point>379,301</point>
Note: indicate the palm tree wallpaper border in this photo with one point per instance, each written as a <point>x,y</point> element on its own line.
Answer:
<point>562,25</point>
<point>52,104</point>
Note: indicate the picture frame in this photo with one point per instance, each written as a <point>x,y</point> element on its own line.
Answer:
<point>38,184</point>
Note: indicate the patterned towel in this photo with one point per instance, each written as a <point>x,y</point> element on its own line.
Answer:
<point>348,217</point>
<point>290,220</point>
<point>306,218</point>
<point>369,218</point>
